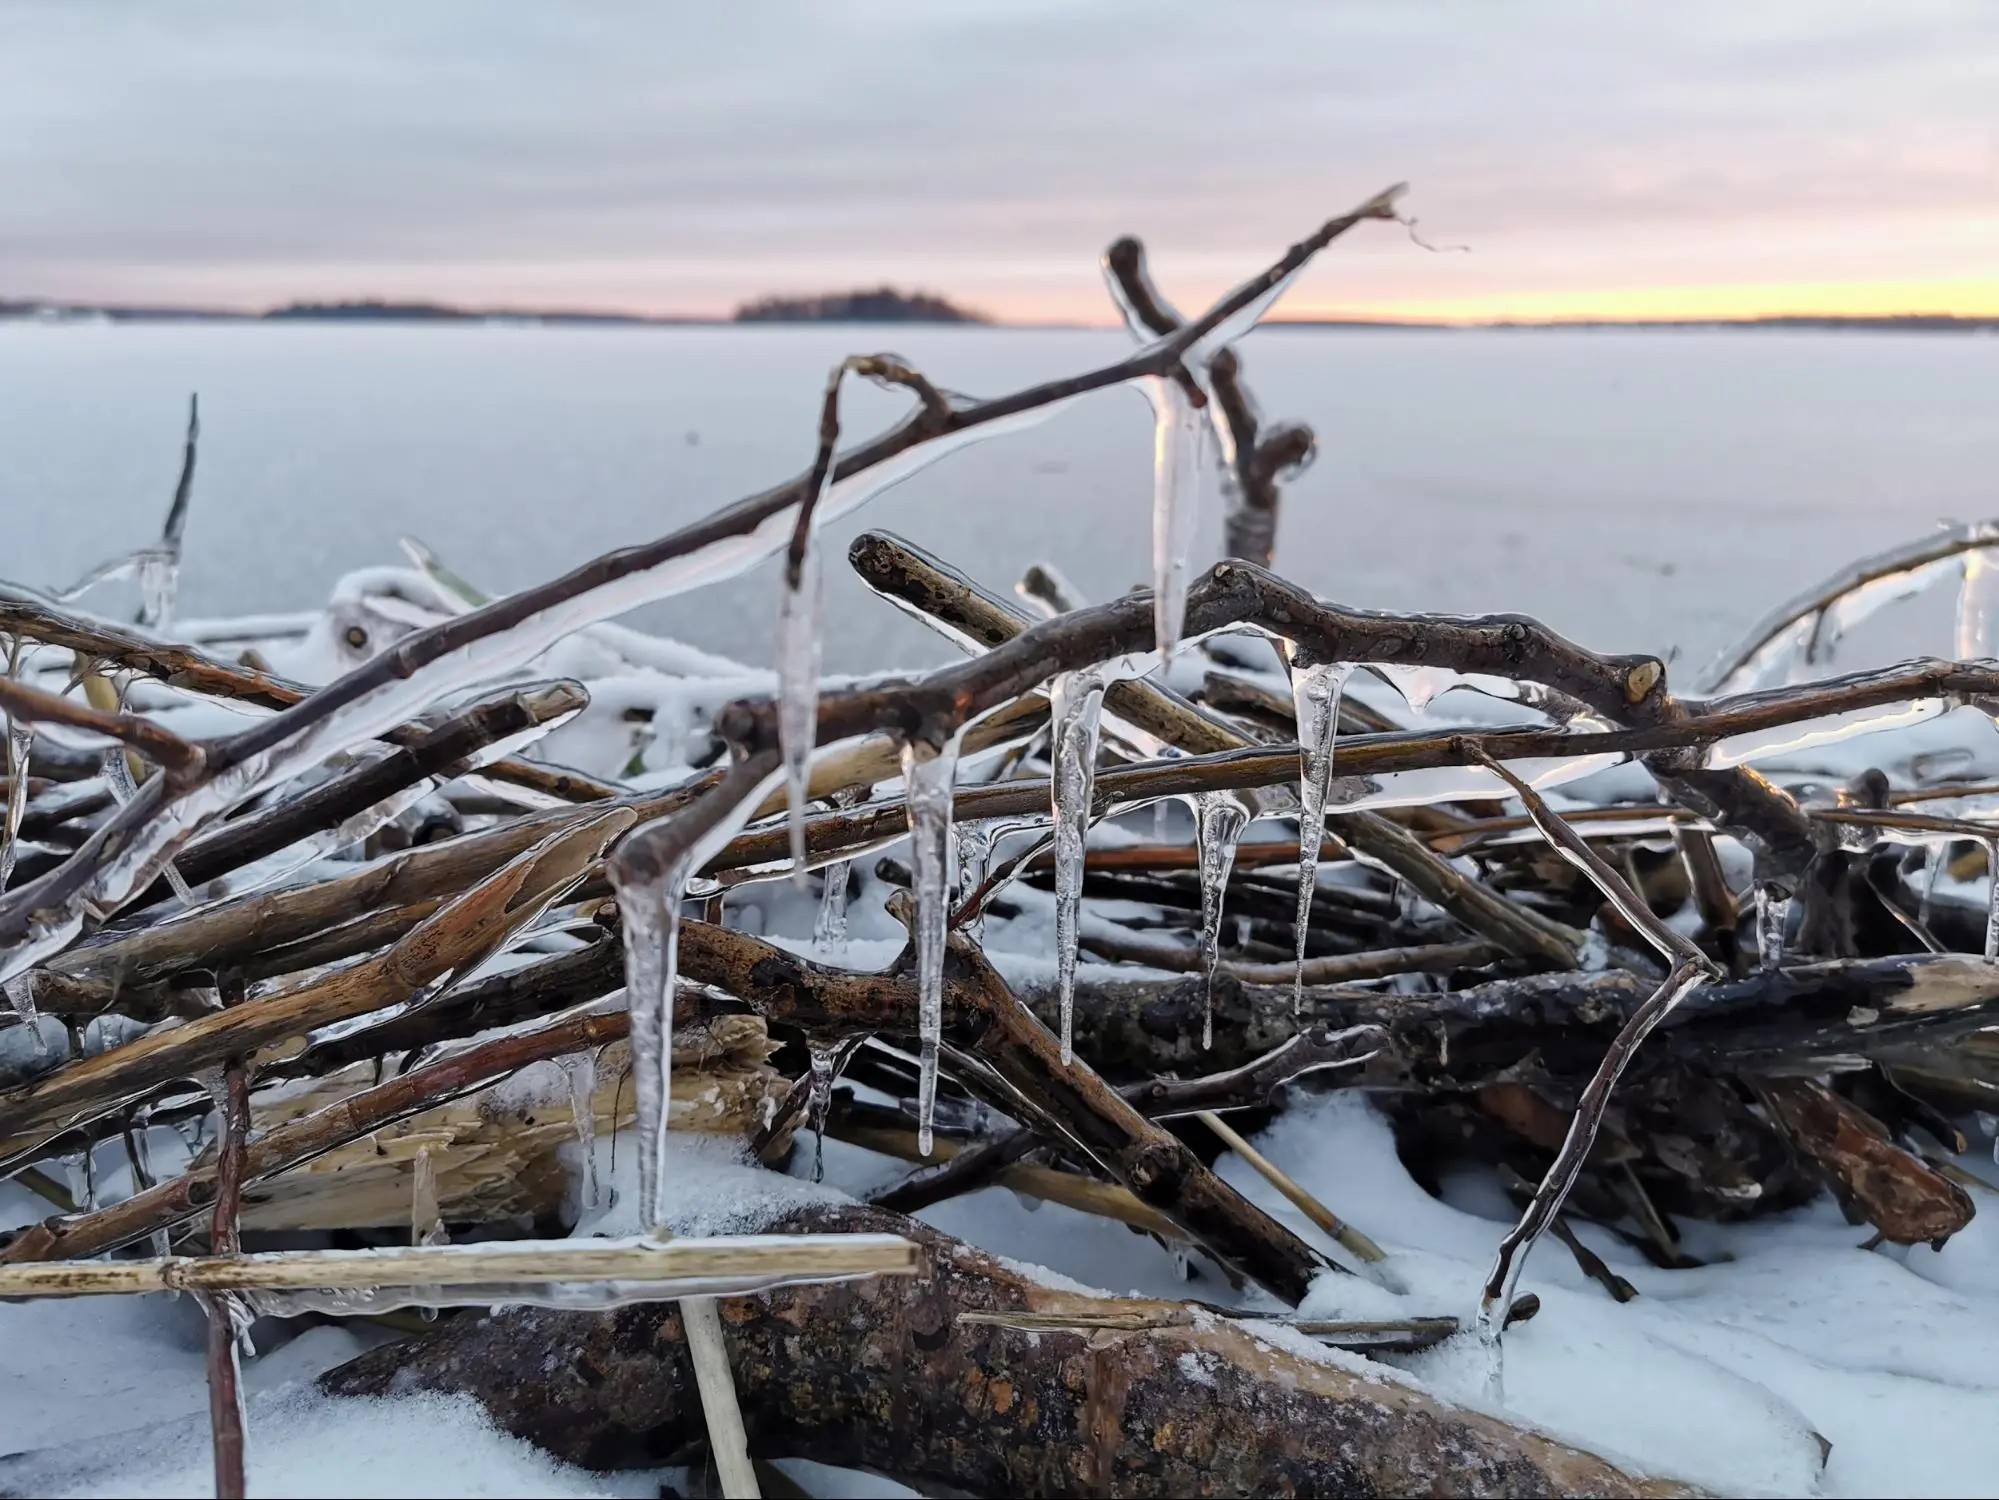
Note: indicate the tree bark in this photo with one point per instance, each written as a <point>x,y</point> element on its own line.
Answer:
<point>887,1375</point>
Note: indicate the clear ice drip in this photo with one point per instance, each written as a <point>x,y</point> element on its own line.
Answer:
<point>817,1102</point>
<point>1992,899</point>
<point>799,615</point>
<point>142,1173</point>
<point>829,928</point>
<point>159,581</point>
<point>1176,504</point>
<point>974,843</point>
<point>1219,819</point>
<point>650,914</point>
<point>583,1105</point>
<point>929,778</point>
<point>1978,606</point>
<point>20,745</point>
<point>1315,695</point>
<point>1075,702</point>
<point>1773,916</point>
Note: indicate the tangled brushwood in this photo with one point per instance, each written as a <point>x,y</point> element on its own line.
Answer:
<point>390,960</point>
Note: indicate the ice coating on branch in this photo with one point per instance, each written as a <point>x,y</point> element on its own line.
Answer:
<point>1176,504</point>
<point>1246,317</point>
<point>1075,703</point>
<point>1315,696</point>
<point>1828,729</point>
<point>817,1102</point>
<point>829,928</point>
<point>20,745</point>
<point>974,842</point>
<point>37,928</point>
<point>799,617</point>
<point>1978,605</point>
<point>929,778</point>
<point>1219,819</point>
<point>1496,1300</point>
<point>583,1104</point>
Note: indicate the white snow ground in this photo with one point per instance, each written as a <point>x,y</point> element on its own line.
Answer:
<point>1719,1376</point>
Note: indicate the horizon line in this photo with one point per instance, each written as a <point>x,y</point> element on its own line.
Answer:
<point>382,309</point>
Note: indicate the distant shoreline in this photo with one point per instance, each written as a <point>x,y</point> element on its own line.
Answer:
<point>816,312</point>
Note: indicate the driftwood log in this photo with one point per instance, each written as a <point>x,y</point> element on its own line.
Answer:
<point>1134,1398</point>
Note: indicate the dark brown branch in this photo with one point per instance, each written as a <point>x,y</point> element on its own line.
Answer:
<point>1092,1397</point>
<point>165,749</point>
<point>1249,1085</point>
<point>458,938</point>
<point>896,568</point>
<point>982,1019</point>
<point>438,750</point>
<point>295,1142</point>
<point>225,1395</point>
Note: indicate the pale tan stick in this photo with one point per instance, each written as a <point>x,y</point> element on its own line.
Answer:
<point>1348,1236</point>
<point>752,1258</point>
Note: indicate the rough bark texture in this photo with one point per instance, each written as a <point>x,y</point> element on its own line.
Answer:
<point>882,1375</point>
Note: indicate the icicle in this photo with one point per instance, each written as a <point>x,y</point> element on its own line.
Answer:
<point>1978,606</point>
<point>651,917</point>
<point>1932,867</point>
<point>1219,819</point>
<point>159,581</point>
<point>650,913</point>
<point>798,655</point>
<point>929,778</point>
<point>583,1105</point>
<point>20,746</point>
<point>142,1174</point>
<point>1176,504</point>
<point>1075,700</point>
<point>1315,695</point>
<point>1773,915</point>
<point>829,928</point>
<point>817,1102</point>
<point>1992,898</point>
<point>974,843</point>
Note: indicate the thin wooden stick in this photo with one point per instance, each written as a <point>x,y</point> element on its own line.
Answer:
<point>667,1265</point>
<point>1355,1242</point>
<point>728,1442</point>
<point>225,1375</point>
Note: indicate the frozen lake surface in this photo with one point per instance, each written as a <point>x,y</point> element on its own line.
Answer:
<point>1637,491</point>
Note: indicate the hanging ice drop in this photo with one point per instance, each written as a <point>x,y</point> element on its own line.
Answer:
<point>583,1104</point>
<point>1315,695</point>
<point>798,655</point>
<point>1176,502</point>
<point>1075,700</point>
<point>829,928</point>
<point>1219,819</point>
<point>816,1104</point>
<point>929,777</point>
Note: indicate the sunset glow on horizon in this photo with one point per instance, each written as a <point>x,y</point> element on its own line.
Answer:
<point>1711,161</point>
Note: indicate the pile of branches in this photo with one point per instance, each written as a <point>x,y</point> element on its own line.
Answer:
<point>1699,987</point>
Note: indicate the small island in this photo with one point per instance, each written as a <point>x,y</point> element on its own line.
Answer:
<point>881,305</point>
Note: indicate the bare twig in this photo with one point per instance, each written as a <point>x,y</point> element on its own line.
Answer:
<point>225,1390</point>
